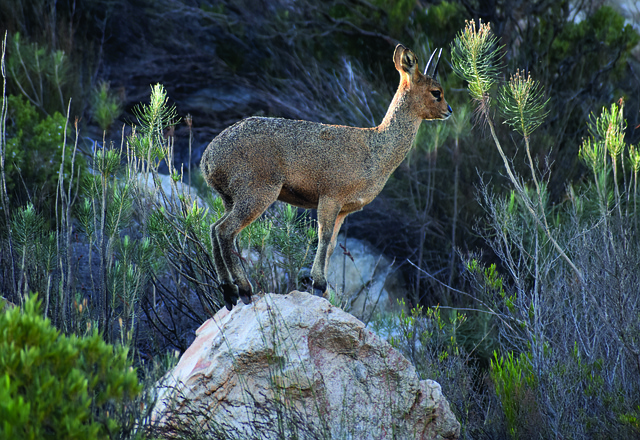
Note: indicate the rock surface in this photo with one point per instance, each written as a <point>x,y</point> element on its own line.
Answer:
<point>149,189</point>
<point>295,363</point>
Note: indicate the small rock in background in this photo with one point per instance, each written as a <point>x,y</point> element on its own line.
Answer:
<point>366,281</point>
<point>145,183</point>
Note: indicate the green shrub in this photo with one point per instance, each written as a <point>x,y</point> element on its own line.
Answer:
<point>34,150</point>
<point>285,241</point>
<point>565,272</point>
<point>515,386</point>
<point>55,386</point>
<point>105,106</point>
<point>39,73</point>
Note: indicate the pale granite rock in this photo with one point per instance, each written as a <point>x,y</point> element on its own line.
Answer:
<point>298,360</point>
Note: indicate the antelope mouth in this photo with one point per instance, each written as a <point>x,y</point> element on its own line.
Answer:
<point>448,114</point>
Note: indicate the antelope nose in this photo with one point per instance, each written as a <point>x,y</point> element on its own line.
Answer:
<point>450,109</point>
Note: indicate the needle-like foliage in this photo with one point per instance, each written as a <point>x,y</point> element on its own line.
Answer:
<point>607,136</point>
<point>153,119</point>
<point>475,57</point>
<point>158,114</point>
<point>591,154</point>
<point>522,103</point>
<point>609,128</point>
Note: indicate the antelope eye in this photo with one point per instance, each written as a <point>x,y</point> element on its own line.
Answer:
<point>436,94</point>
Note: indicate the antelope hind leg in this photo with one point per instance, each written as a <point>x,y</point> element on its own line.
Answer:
<point>230,291</point>
<point>236,284</point>
<point>244,212</point>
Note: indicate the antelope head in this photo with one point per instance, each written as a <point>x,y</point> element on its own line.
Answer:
<point>424,90</point>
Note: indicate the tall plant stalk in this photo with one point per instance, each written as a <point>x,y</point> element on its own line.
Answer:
<point>4,197</point>
<point>475,56</point>
<point>64,224</point>
<point>634,156</point>
<point>460,127</point>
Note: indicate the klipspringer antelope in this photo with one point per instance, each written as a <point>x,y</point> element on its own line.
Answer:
<point>332,168</point>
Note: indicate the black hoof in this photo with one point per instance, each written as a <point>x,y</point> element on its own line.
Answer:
<point>230,294</point>
<point>245,294</point>
<point>304,279</point>
<point>319,288</point>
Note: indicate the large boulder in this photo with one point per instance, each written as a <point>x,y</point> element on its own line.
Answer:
<point>295,364</point>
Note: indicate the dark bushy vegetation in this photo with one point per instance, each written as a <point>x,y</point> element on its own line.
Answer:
<point>518,217</point>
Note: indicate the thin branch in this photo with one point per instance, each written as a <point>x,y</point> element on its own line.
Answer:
<point>527,203</point>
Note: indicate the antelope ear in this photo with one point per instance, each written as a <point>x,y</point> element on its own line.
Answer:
<point>405,60</point>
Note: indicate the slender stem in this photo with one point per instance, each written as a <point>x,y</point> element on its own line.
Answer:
<point>527,202</point>
<point>456,181</point>
<point>39,70</point>
<point>635,198</point>
<point>615,183</point>
<point>533,172</point>
<point>103,251</point>
<point>58,83</point>
<point>535,181</point>
<point>34,100</point>
<point>70,201</point>
<point>63,223</point>
<point>190,142</point>
<point>624,184</point>
<point>46,303</point>
<point>4,197</point>
<point>23,291</point>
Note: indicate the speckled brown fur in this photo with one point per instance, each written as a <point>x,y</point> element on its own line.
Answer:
<point>334,169</point>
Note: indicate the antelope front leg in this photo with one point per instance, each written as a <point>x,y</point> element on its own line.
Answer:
<point>328,211</point>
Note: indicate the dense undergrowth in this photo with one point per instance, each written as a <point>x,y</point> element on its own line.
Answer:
<point>519,216</point>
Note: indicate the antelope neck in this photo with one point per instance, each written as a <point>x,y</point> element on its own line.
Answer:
<point>397,131</point>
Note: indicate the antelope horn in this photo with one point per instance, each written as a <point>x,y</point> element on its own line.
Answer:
<point>433,72</point>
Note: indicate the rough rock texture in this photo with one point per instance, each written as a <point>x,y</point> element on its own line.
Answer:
<point>295,362</point>
<point>365,279</point>
<point>146,185</point>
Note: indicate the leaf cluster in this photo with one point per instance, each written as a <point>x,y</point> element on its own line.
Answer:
<point>522,103</point>
<point>105,106</point>
<point>475,56</point>
<point>153,119</point>
<point>55,386</point>
<point>34,153</point>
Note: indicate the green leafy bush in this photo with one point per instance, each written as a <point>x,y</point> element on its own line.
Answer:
<point>515,384</point>
<point>34,151</point>
<point>106,107</point>
<point>39,73</point>
<point>55,386</point>
<point>564,271</point>
<point>601,36</point>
